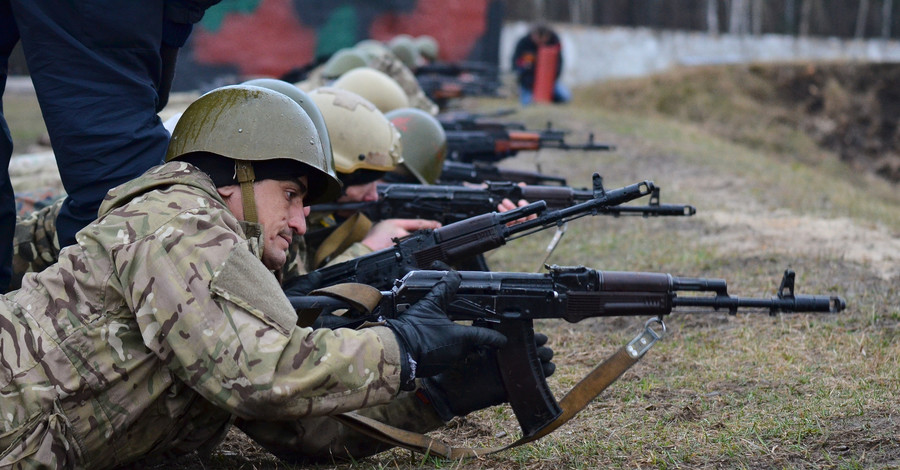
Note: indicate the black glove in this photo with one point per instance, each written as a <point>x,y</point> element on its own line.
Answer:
<point>429,341</point>
<point>475,383</point>
<point>302,285</point>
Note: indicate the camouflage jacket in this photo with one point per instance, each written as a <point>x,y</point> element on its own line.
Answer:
<point>160,325</point>
<point>393,67</point>
<point>35,243</point>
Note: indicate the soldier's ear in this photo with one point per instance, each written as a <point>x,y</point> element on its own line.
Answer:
<point>232,196</point>
<point>231,190</point>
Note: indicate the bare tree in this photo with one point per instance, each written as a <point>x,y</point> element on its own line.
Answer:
<point>861,16</point>
<point>581,11</point>
<point>537,9</point>
<point>712,16</point>
<point>886,15</point>
<point>757,12</point>
<point>737,23</point>
<point>790,16</point>
<point>805,15</point>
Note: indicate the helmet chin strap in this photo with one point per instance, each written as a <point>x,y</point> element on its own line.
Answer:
<point>243,169</point>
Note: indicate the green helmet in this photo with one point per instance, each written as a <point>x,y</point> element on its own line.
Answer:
<point>247,124</point>
<point>300,97</point>
<point>375,86</point>
<point>343,61</point>
<point>371,48</point>
<point>424,143</point>
<point>403,47</point>
<point>362,138</point>
<point>427,46</point>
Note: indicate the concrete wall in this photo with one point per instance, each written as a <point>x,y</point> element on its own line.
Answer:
<point>592,54</point>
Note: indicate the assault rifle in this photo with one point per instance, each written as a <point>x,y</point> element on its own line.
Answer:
<point>458,172</point>
<point>509,302</point>
<point>459,241</point>
<point>440,88</point>
<point>464,120</point>
<point>453,69</point>
<point>496,144</point>
<point>448,204</point>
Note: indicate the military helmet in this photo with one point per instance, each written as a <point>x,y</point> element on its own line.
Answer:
<point>424,143</point>
<point>342,62</point>
<point>427,46</point>
<point>361,137</point>
<point>248,124</point>
<point>371,47</point>
<point>302,98</point>
<point>376,87</point>
<point>402,46</point>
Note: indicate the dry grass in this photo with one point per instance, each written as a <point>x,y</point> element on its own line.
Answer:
<point>23,116</point>
<point>750,391</point>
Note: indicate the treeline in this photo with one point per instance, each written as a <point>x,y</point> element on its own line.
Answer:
<point>839,18</point>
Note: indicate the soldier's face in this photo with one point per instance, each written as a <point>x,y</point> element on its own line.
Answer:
<point>358,193</point>
<point>280,211</point>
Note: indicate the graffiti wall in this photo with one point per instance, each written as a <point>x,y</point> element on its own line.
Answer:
<point>246,38</point>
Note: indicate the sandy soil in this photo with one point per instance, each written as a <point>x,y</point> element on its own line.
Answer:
<point>785,233</point>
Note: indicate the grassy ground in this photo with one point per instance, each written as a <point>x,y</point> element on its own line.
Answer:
<point>745,391</point>
<point>750,391</point>
<point>24,119</point>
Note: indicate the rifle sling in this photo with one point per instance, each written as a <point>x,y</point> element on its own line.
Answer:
<point>353,230</point>
<point>576,400</point>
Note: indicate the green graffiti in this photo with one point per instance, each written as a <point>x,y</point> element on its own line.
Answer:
<point>214,17</point>
<point>338,32</point>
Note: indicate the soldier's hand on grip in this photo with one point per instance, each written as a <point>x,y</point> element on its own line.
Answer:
<point>429,341</point>
<point>475,383</point>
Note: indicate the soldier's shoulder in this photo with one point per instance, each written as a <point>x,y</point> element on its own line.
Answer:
<point>167,193</point>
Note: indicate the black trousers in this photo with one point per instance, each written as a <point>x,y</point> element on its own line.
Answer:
<point>96,69</point>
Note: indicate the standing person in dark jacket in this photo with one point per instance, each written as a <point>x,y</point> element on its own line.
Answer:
<point>102,69</point>
<point>525,60</point>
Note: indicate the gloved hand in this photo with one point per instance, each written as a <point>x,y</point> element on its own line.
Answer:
<point>475,383</point>
<point>429,341</point>
<point>302,285</point>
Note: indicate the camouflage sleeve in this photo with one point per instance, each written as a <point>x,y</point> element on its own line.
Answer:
<point>217,317</point>
<point>394,68</point>
<point>35,244</point>
<point>325,440</point>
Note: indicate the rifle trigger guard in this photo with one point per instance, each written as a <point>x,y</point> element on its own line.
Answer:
<point>646,339</point>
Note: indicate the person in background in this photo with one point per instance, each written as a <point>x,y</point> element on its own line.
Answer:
<point>365,146</point>
<point>428,48</point>
<point>424,149</point>
<point>525,62</point>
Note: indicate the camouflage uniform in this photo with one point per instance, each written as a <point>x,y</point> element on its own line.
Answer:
<point>30,201</point>
<point>314,80</point>
<point>35,243</point>
<point>145,338</point>
<point>393,67</point>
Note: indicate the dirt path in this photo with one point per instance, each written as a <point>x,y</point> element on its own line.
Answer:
<point>783,232</point>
